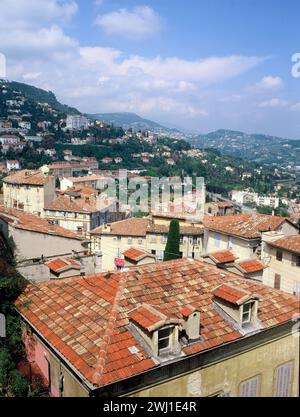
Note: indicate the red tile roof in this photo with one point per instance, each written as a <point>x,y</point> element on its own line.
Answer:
<point>62,264</point>
<point>183,230</point>
<point>145,318</point>
<point>133,226</point>
<point>27,177</point>
<point>222,257</point>
<point>289,243</point>
<point>244,225</point>
<point>86,318</point>
<point>250,266</point>
<point>136,255</point>
<point>231,294</point>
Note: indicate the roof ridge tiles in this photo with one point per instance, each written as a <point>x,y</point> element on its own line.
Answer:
<point>99,367</point>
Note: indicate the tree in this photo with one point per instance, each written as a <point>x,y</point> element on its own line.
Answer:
<point>172,247</point>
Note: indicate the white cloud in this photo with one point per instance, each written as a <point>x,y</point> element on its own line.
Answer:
<point>31,76</point>
<point>141,22</point>
<point>274,103</point>
<point>34,13</point>
<point>296,107</point>
<point>269,83</point>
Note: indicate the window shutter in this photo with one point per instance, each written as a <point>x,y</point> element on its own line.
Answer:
<point>250,387</point>
<point>283,375</point>
<point>296,288</point>
<point>277,280</point>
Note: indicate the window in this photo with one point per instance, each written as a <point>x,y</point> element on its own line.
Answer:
<point>246,313</point>
<point>164,339</point>
<point>153,238</point>
<point>129,240</point>
<point>140,241</point>
<point>217,239</point>
<point>229,242</point>
<point>279,255</point>
<point>296,260</point>
<point>296,288</point>
<point>277,281</point>
<point>250,387</point>
<point>283,378</point>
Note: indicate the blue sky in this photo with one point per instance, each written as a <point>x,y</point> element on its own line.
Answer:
<point>195,64</point>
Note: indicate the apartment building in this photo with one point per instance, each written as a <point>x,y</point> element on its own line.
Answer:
<point>92,181</point>
<point>191,240</point>
<point>246,197</point>
<point>61,169</point>
<point>242,234</point>
<point>77,122</point>
<point>220,208</point>
<point>29,191</point>
<point>282,256</point>
<point>81,209</point>
<point>115,238</point>
<point>179,328</point>
<point>143,234</point>
<point>32,237</point>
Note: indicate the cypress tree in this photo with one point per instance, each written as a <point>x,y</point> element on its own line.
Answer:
<point>172,247</point>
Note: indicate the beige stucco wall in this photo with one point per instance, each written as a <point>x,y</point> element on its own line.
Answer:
<point>30,245</point>
<point>290,274</point>
<point>226,376</point>
<point>239,247</point>
<point>113,246</point>
<point>33,198</point>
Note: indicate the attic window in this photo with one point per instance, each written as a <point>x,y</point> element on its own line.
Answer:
<point>163,339</point>
<point>246,314</point>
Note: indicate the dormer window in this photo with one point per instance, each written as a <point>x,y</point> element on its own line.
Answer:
<point>246,313</point>
<point>239,305</point>
<point>163,339</point>
<point>157,332</point>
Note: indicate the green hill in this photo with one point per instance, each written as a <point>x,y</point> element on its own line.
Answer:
<point>42,96</point>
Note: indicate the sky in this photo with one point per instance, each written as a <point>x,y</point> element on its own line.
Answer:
<point>198,65</point>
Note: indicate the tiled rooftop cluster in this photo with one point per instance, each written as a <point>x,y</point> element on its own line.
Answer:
<point>245,225</point>
<point>27,177</point>
<point>25,221</point>
<point>289,243</point>
<point>86,318</point>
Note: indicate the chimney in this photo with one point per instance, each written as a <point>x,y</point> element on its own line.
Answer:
<point>191,323</point>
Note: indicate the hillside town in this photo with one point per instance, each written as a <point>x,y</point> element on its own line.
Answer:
<point>106,301</point>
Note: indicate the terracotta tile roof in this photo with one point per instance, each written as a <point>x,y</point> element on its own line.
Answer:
<point>251,265</point>
<point>26,221</point>
<point>67,203</point>
<point>231,294</point>
<point>136,254</point>
<point>133,226</point>
<point>221,203</point>
<point>183,230</point>
<point>244,225</point>
<point>86,318</point>
<point>222,257</point>
<point>145,318</point>
<point>62,264</point>
<point>289,243</point>
<point>27,177</point>
<point>185,312</point>
<point>86,178</point>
